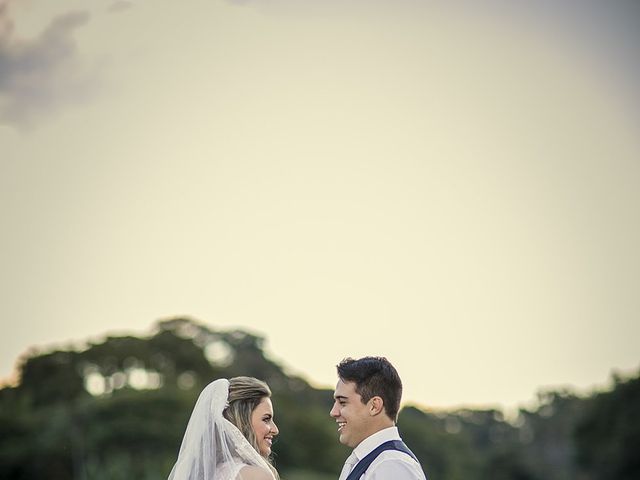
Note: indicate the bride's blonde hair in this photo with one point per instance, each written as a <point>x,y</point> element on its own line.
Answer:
<point>245,394</point>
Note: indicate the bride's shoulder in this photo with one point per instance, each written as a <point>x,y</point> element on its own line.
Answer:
<point>250,472</point>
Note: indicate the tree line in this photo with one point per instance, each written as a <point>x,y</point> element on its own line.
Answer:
<point>118,409</point>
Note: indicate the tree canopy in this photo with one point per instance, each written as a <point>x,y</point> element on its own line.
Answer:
<point>117,409</point>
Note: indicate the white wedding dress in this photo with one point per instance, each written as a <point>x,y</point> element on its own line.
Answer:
<point>229,471</point>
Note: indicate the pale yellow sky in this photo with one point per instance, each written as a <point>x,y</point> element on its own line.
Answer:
<point>453,188</point>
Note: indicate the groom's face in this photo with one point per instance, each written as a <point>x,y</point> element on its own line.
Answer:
<point>352,416</point>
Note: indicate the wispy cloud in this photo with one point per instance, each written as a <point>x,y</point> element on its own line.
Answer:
<point>119,6</point>
<point>39,75</point>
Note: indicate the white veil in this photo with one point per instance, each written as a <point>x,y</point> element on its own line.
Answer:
<point>213,448</point>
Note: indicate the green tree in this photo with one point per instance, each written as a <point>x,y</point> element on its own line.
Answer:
<point>609,435</point>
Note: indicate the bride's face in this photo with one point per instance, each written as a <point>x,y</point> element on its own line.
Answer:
<point>263,426</point>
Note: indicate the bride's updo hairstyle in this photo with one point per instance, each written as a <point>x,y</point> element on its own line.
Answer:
<point>245,394</point>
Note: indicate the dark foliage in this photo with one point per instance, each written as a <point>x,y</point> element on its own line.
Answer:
<point>118,409</point>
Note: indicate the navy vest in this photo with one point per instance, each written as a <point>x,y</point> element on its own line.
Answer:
<point>363,464</point>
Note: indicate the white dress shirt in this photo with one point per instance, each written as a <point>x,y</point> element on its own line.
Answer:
<point>390,464</point>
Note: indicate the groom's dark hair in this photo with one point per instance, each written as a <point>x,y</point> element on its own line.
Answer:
<point>374,376</point>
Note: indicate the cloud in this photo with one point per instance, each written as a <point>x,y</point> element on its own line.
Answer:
<point>40,75</point>
<point>119,6</point>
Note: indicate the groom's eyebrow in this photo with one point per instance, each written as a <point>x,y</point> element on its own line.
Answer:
<point>340,397</point>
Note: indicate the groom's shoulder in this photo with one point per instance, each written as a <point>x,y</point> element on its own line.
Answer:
<point>395,464</point>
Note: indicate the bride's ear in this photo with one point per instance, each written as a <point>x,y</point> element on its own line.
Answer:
<point>376,406</point>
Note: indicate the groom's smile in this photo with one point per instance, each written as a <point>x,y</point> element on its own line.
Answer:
<point>351,415</point>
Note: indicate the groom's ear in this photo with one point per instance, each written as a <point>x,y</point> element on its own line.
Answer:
<point>376,406</point>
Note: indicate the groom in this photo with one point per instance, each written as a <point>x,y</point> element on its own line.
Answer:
<point>367,400</point>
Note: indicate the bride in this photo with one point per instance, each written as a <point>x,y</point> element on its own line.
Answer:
<point>229,434</point>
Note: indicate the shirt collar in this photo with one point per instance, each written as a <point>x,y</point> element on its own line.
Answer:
<point>372,441</point>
